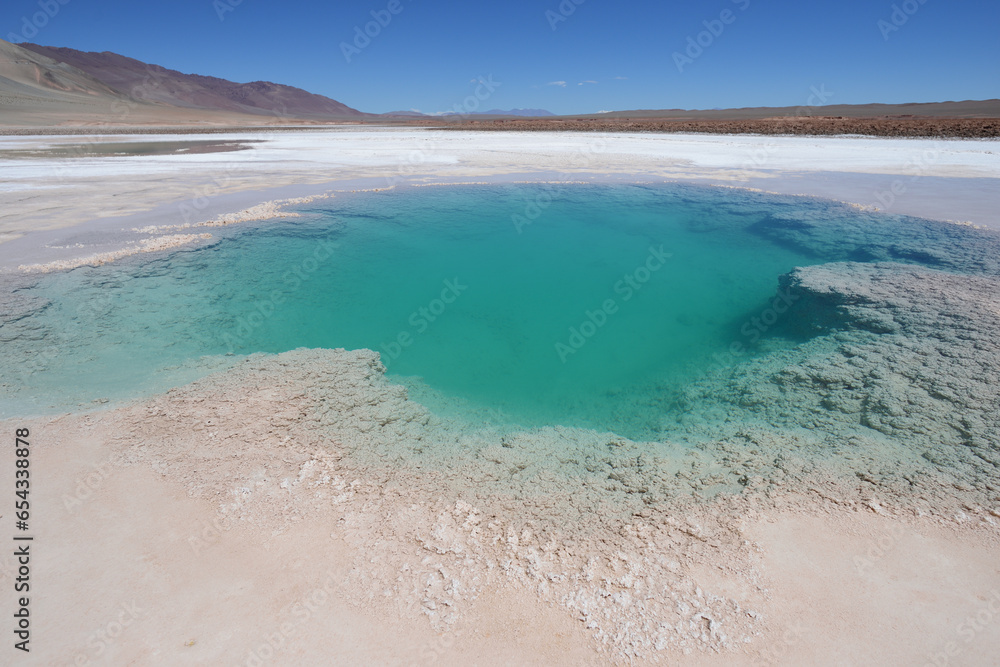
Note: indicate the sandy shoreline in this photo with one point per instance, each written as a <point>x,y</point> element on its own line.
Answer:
<point>368,530</point>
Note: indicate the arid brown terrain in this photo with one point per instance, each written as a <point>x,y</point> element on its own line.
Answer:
<point>886,126</point>
<point>159,85</point>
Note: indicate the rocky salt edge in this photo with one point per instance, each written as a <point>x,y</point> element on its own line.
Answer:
<point>268,210</point>
<point>155,244</point>
<point>900,389</point>
<point>889,409</point>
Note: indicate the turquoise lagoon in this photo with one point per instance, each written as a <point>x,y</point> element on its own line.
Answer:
<point>528,305</point>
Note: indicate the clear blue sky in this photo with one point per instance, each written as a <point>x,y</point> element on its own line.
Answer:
<point>770,53</point>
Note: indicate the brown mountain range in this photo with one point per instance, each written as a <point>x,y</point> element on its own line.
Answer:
<point>65,90</point>
<point>152,83</point>
<point>30,80</point>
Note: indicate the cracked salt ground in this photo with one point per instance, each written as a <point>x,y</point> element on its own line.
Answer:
<point>438,544</point>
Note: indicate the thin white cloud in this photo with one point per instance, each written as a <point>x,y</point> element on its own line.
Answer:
<point>561,84</point>
<point>606,111</point>
<point>587,81</point>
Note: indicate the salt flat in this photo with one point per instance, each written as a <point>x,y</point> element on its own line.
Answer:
<point>915,177</point>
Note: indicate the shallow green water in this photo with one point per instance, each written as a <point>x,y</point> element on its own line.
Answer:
<point>582,306</point>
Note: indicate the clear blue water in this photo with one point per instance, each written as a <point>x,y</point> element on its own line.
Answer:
<point>574,305</point>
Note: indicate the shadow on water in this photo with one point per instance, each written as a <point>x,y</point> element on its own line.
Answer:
<point>853,236</point>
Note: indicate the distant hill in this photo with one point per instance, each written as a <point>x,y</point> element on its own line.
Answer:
<point>406,114</point>
<point>965,109</point>
<point>37,91</point>
<point>535,113</point>
<point>532,113</point>
<point>27,77</point>
<point>158,85</point>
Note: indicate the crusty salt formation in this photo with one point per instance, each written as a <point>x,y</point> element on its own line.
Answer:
<point>445,510</point>
<point>904,376</point>
<point>891,408</point>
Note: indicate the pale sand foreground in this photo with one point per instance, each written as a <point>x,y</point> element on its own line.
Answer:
<point>271,515</point>
<point>227,523</point>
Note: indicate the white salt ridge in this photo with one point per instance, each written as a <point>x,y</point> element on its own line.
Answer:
<point>155,244</point>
